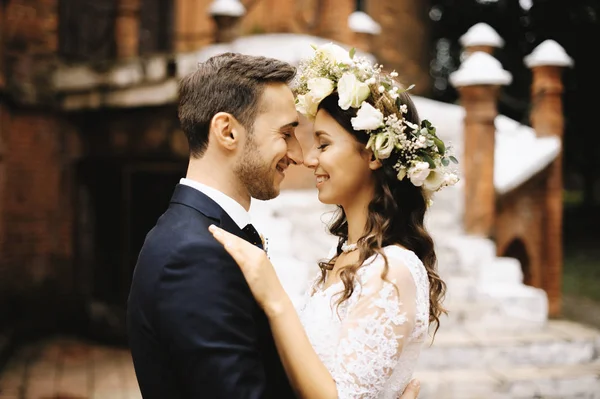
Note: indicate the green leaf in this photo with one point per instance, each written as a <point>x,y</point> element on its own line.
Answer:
<point>453,159</point>
<point>440,145</point>
<point>405,90</point>
<point>428,159</point>
<point>445,162</point>
<point>352,52</point>
<point>314,46</point>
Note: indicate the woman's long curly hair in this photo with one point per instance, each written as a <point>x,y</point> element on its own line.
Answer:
<point>396,212</point>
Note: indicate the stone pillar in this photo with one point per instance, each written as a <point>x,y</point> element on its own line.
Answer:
<point>364,29</point>
<point>481,37</point>
<point>227,15</point>
<point>547,62</point>
<point>127,28</point>
<point>478,81</point>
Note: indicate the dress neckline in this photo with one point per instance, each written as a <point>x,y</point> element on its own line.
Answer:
<point>322,290</point>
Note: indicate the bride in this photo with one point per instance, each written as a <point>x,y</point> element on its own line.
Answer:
<point>368,312</point>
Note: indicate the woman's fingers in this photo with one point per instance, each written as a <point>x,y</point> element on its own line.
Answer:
<point>238,248</point>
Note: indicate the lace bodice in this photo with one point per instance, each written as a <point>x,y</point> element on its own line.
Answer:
<point>371,343</point>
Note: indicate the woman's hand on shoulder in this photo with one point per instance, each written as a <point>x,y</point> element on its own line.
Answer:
<point>257,269</point>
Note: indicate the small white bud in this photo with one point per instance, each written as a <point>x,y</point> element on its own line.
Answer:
<point>381,89</point>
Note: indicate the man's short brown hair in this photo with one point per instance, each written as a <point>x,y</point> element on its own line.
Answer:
<point>227,82</point>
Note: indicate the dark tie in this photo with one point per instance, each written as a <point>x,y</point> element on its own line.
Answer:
<point>253,235</point>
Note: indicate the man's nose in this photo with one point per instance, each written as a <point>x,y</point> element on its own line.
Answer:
<point>295,151</point>
<point>310,160</point>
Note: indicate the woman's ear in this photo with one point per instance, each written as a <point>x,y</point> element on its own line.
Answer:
<point>374,163</point>
<point>225,130</point>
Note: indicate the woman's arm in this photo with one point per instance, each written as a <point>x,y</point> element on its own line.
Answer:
<point>372,338</point>
<point>307,374</point>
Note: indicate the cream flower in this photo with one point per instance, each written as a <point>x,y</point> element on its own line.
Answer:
<point>434,180</point>
<point>306,105</point>
<point>320,88</point>
<point>367,118</point>
<point>382,144</point>
<point>401,173</point>
<point>334,54</point>
<point>352,91</point>
<point>301,104</point>
<point>418,173</point>
<point>450,179</point>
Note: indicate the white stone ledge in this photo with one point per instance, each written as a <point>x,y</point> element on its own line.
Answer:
<point>84,77</point>
<point>149,95</point>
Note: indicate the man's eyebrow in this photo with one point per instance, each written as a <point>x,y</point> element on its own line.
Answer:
<point>291,124</point>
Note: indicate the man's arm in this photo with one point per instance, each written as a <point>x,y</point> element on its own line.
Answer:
<point>205,314</point>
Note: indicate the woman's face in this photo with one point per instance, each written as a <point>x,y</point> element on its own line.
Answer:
<point>340,163</point>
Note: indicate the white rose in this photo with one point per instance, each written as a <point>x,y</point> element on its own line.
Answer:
<point>306,105</point>
<point>320,88</point>
<point>334,53</point>
<point>352,91</point>
<point>418,173</point>
<point>384,145</point>
<point>434,180</point>
<point>367,118</point>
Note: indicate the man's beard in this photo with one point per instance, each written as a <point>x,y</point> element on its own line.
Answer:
<point>256,174</point>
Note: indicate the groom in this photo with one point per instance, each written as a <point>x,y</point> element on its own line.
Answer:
<point>195,330</point>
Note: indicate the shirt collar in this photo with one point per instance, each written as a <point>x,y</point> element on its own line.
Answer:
<point>240,216</point>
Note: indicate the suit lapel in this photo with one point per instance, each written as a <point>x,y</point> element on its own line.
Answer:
<point>189,196</point>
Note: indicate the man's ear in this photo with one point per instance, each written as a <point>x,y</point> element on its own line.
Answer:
<point>225,130</point>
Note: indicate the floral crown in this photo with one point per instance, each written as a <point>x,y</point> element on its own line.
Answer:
<point>422,156</point>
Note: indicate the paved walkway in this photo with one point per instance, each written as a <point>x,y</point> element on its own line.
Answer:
<point>64,368</point>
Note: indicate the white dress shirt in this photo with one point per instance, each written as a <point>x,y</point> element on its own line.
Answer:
<point>240,216</point>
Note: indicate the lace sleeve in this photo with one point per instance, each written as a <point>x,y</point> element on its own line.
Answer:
<point>378,325</point>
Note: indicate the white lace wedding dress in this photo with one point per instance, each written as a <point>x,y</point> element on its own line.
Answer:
<point>371,344</point>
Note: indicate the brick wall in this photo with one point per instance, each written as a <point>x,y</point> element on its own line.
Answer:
<point>37,210</point>
<point>521,215</point>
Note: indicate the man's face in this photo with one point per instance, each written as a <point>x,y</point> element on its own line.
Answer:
<point>271,145</point>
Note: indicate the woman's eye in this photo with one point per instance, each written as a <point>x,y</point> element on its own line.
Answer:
<point>322,146</point>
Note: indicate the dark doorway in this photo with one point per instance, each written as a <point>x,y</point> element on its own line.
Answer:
<point>517,250</point>
<point>119,202</point>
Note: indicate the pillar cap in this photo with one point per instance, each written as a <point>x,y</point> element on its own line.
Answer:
<point>481,34</point>
<point>361,22</point>
<point>229,8</point>
<point>548,53</point>
<point>480,69</point>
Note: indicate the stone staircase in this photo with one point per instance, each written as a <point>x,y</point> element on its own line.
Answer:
<point>496,341</point>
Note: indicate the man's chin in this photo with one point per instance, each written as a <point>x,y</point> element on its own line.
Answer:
<point>265,196</point>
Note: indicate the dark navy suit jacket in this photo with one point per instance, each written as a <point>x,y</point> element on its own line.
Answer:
<point>195,330</point>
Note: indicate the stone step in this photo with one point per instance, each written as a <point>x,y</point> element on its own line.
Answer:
<point>502,270</point>
<point>497,306</point>
<point>462,255</point>
<point>559,342</point>
<point>550,382</point>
